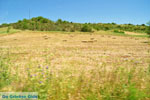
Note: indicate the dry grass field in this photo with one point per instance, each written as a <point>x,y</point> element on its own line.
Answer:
<point>75,66</point>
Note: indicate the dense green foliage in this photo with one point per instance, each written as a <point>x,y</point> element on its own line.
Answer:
<point>148,28</point>
<point>86,28</point>
<point>118,31</point>
<point>44,24</point>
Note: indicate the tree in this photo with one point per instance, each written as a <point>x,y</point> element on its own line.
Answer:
<point>39,18</point>
<point>4,25</point>
<point>113,23</point>
<point>59,21</point>
<point>148,28</point>
<point>142,24</point>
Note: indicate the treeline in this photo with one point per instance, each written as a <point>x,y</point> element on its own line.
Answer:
<point>44,24</point>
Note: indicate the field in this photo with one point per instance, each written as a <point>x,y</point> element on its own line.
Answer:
<point>75,65</point>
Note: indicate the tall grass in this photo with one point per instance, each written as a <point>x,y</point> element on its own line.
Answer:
<point>5,76</point>
<point>97,84</point>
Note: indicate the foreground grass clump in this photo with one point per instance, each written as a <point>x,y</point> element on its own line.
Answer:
<point>112,68</point>
<point>5,78</point>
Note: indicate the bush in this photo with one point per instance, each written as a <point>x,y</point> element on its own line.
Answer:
<point>44,20</point>
<point>4,25</point>
<point>86,28</point>
<point>72,30</point>
<point>106,28</point>
<point>119,31</point>
<point>148,30</point>
<point>8,29</point>
<point>24,25</point>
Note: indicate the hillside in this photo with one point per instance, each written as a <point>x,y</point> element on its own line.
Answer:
<point>44,24</point>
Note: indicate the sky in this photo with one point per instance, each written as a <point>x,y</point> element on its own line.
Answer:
<point>83,11</point>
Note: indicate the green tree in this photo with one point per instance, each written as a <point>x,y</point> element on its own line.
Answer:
<point>59,21</point>
<point>44,20</point>
<point>148,28</point>
<point>39,18</point>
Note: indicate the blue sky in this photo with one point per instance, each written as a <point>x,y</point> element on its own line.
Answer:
<point>104,11</point>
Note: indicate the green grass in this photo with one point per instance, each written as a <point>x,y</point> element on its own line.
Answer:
<point>4,30</point>
<point>117,34</point>
<point>4,71</point>
<point>119,31</point>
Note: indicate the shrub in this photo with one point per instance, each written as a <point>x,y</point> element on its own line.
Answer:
<point>63,29</point>
<point>86,28</point>
<point>119,31</point>
<point>106,28</point>
<point>148,31</point>
<point>148,28</point>
<point>4,25</point>
<point>8,29</point>
<point>72,30</point>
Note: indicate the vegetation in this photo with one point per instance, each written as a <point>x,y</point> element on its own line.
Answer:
<point>4,71</point>
<point>119,31</point>
<point>148,28</point>
<point>111,65</point>
<point>75,70</point>
<point>8,30</point>
<point>44,24</point>
<point>86,28</point>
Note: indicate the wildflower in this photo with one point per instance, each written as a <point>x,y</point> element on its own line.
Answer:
<point>137,62</point>
<point>40,82</point>
<point>47,67</point>
<point>30,75</point>
<point>34,74</point>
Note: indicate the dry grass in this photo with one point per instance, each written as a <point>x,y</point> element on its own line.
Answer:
<point>133,33</point>
<point>77,66</point>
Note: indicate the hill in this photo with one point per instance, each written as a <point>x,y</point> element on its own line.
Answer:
<point>44,24</point>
